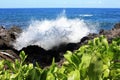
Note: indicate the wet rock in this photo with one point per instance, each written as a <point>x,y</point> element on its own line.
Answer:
<point>115,32</point>
<point>9,55</point>
<point>6,37</point>
<point>116,26</point>
<point>14,32</point>
<point>44,57</point>
<point>38,54</point>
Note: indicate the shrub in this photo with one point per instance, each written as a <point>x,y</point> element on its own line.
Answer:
<point>97,60</point>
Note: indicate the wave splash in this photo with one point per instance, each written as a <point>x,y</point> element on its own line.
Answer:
<point>50,33</point>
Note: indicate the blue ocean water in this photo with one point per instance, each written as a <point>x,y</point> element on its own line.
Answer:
<point>104,18</point>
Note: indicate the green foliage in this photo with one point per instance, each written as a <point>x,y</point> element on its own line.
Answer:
<point>97,60</point>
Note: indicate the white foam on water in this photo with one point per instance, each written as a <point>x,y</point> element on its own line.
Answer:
<point>85,15</point>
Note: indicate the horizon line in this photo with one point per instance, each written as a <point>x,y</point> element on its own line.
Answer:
<point>52,7</point>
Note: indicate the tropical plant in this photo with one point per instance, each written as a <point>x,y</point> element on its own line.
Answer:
<point>97,60</point>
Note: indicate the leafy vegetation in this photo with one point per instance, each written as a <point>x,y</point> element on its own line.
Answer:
<point>97,60</point>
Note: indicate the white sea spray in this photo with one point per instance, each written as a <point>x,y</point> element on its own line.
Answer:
<point>50,33</point>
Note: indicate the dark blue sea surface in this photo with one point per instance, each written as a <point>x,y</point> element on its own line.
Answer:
<point>104,18</point>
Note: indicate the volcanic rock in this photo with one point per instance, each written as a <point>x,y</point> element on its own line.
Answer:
<point>44,57</point>
<point>6,37</point>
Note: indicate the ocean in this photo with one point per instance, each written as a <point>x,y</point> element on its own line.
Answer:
<point>103,18</point>
<point>50,27</point>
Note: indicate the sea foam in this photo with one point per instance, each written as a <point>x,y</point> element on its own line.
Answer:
<point>86,15</point>
<point>50,33</point>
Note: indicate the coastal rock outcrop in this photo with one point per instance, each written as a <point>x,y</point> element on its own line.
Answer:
<point>113,33</point>
<point>6,37</point>
<point>44,57</point>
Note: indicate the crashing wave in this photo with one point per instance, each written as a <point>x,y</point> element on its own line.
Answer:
<point>50,33</point>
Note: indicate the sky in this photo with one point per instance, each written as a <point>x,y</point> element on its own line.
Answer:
<point>60,3</point>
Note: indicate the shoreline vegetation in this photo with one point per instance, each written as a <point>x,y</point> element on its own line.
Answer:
<point>95,57</point>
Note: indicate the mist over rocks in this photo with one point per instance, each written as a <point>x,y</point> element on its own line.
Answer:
<point>43,56</point>
<point>51,33</point>
<point>39,54</point>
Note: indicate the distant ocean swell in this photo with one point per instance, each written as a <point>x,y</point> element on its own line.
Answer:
<point>50,33</point>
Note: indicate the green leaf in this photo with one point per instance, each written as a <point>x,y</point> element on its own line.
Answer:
<point>13,76</point>
<point>1,64</point>
<point>52,67</point>
<point>22,56</point>
<point>106,73</point>
<point>68,56</point>
<point>50,76</point>
<point>74,75</point>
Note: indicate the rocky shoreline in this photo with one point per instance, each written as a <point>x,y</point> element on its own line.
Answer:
<point>40,55</point>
